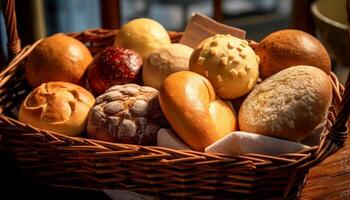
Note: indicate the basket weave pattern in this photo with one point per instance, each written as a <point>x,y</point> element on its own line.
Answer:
<point>73,162</point>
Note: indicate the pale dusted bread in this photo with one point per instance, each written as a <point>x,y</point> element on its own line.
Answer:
<point>191,106</point>
<point>57,106</point>
<point>143,36</point>
<point>165,61</point>
<point>126,114</point>
<point>57,58</point>
<point>287,48</point>
<point>288,105</point>
<point>229,64</point>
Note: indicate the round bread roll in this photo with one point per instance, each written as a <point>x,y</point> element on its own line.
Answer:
<point>229,63</point>
<point>57,106</point>
<point>189,102</point>
<point>113,66</point>
<point>288,105</point>
<point>165,61</point>
<point>126,114</point>
<point>286,48</point>
<point>143,36</point>
<point>57,58</point>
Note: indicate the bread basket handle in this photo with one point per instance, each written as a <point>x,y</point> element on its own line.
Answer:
<point>9,12</point>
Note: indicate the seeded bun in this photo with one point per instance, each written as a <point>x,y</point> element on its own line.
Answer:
<point>229,64</point>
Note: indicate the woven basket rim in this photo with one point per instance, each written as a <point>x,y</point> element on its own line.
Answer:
<point>132,166</point>
<point>258,160</point>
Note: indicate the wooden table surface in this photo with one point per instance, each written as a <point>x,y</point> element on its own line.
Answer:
<point>330,180</point>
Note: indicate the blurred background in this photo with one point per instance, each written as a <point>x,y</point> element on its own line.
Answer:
<point>39,18</point>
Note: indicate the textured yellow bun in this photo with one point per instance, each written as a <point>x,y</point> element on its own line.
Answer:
<point>57,58</point>
<point>57,106</point>
<point>229,63</point>
<point>143,36</point>
<point>288,105</point>
<point>165,61</point>
<point>189,103</point>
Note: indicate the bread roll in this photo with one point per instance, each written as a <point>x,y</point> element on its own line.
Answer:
<point>189,102</point>
<point>113,66</point>
<point>165,61</point>
<point>126,114</point>
<point>287,48</point>
<point>57,58</point>
<point>288,105</point>
<point>229,64</point>
<point>143,36</point>
<point>57,106</point>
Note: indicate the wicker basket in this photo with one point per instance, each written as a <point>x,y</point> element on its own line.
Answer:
<point>165,173</point>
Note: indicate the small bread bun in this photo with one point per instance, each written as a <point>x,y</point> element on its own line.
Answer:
<point>57,106</point>
<point>287,48</point>
<point>165,61</point>
<point>57,58</point>
<point>113,66</point>
<point>229,64</point>
<point>189,102</point>
<point>288,105</point>
<point>128,114</point>
<point>143,36</point>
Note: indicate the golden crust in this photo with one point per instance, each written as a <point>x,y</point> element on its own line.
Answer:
<point>57,106</point>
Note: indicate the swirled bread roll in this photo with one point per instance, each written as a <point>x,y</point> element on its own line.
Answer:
<point>57,106</point>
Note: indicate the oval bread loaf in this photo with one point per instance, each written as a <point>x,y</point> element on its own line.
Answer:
<point>288,105</point>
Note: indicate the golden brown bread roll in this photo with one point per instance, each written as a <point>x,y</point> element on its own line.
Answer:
<point>165,61</point>
<point>143,36</point>
<point>57,58</point>
<point>286,48</point>
<point>57,106</point>
<point>288,105</point>
<point>189,102</point>
<point>229,64</point>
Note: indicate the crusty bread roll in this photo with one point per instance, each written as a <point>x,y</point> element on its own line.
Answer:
<point>229,64</point>
<point>165,61</point>
<point>126,113</point>
<point>143,36</point>
<point>189,102</point>
<point>288,105</point>
<point>57,58</point>
<point>286,48</point>
<point>57,106</point>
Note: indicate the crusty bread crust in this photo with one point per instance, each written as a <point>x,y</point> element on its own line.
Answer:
<point>287,105</point>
